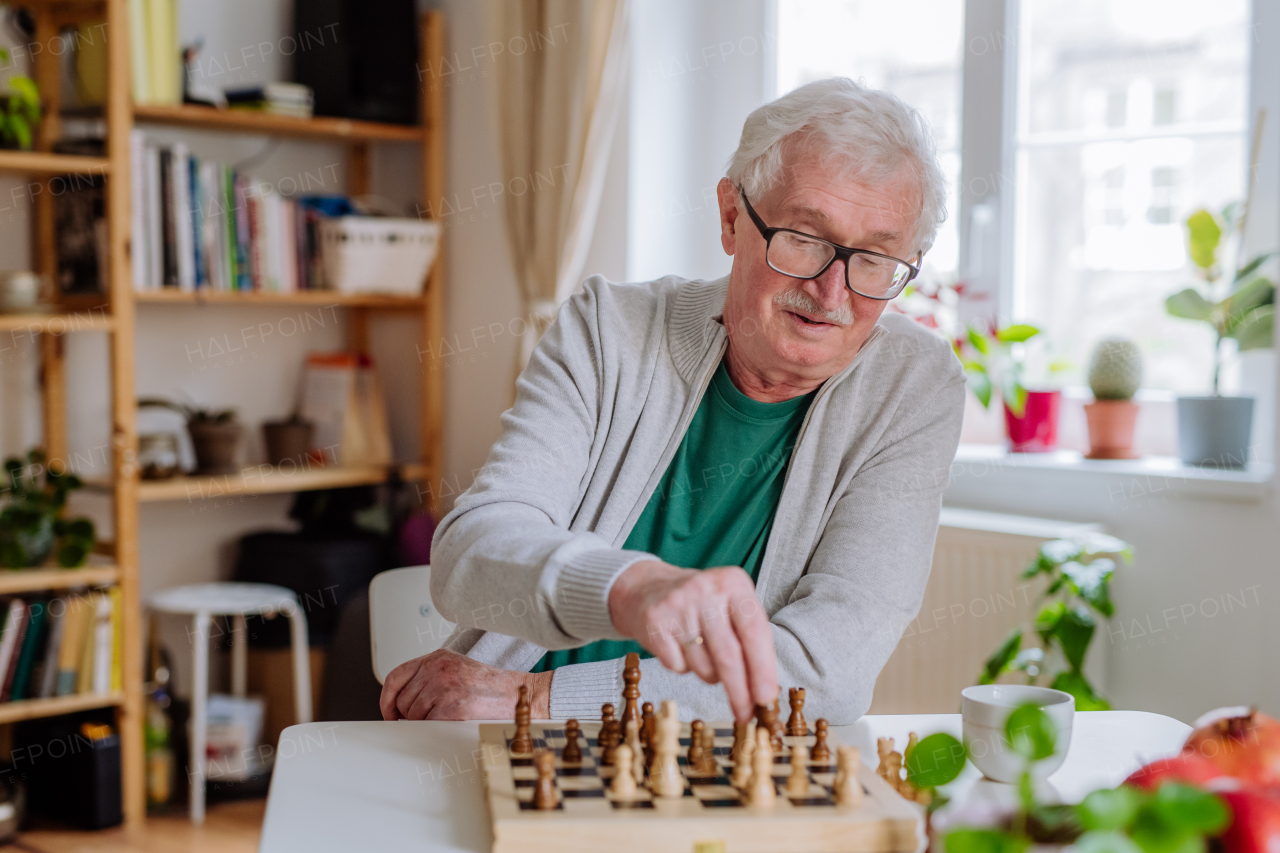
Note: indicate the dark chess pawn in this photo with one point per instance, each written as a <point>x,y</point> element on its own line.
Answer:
<point>796,726</point>
<point>695,753</point>
<point>607,739</point>
<point>522,743</point>
<point>648,725</point>
<point>821,753</point>
<point>767,719</point>
<point>572,752</point>
<point>544,791</point>
<point>707,766</point>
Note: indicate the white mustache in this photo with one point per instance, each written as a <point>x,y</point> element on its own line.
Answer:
<point>798,300</point>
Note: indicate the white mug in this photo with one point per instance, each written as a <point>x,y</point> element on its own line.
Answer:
<point>985,709</point>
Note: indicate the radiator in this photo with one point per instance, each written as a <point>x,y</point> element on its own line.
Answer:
<point>974,598</point>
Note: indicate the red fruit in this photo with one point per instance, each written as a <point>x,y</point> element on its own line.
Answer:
<point>1255,827</point>
<point>1242,743</point>
<point>1188,767</point>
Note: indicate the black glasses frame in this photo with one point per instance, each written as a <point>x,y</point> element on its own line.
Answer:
<point>842,253</point>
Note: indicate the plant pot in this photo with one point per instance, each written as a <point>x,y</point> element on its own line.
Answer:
<point>1111,425</point>
<point>1215,431</point>
<point>287,441</point>
<point>1036,430</point>
<point>215,445</point>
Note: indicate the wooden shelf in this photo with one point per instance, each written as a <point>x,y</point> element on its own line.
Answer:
<point>245,121</point>
<point>30,709</point>
<point>58,323</point>
<point>252,481</point>
<point>45,163</point>
<point>301,297</point>
<point>13,581</point>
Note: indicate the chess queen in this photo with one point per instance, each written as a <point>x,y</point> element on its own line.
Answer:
<point>739,479</point>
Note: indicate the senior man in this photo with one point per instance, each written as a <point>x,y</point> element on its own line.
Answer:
<point>741,478</point>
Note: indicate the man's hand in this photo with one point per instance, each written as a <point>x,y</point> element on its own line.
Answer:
<point>448,686</point>
<point>708,621</point>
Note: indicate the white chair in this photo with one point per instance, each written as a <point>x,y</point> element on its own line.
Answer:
<point>204,601</point>
<point>403,623</point>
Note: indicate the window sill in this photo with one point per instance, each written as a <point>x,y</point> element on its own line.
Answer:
<point>1149,474</point>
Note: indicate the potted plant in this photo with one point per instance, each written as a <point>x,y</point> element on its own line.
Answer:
<point>1115,374</point>
<point>19,109</point>
<point>32,526</point>
<point>1078,572</point>
<point>288,440</point>
<point>1215,430</point>
<point>995,358</point>
<point>215,434</point>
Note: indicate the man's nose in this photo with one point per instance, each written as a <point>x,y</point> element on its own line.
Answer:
<point>829,288</point>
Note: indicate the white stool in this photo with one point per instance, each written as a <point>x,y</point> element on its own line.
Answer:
<point>203,602</point>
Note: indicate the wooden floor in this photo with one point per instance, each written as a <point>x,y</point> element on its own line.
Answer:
<point>228,828</point>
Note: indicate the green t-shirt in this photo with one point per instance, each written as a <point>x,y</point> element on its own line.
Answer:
<point>715,504</point>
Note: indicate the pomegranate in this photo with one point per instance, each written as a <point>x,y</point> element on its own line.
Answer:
<point>1255,824</point>
<point>1188,767</point>
<point>1242,743</point>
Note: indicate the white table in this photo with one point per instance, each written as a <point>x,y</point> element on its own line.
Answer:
<point>417,786</point>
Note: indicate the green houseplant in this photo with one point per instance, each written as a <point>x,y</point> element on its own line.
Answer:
<point>994,358</point>
<point>19,108</point>
<point>1077,594</point>
<point>1115,374</point>
<point>32,522</point>
<point>1215,430</point>
<point>215,434</point>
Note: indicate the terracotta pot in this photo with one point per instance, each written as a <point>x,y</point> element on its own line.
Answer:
<point>1111,428</point>
<point>215,445</point>
<point>287,441</point>
<point>1036,431</point>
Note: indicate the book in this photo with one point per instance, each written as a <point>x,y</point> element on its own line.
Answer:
<point>180,183</point>
<point>103,640</point>
<point>89,647</point>
<point>154,222</point>
<point>48,683</point>
<point>197,223</point>
<point>139,66</point>
<point>137,203</point>
<point>72,646</point>
<point>14,622</point>
<point>117,638</point>
<point>37,618</point>
<point>163,53</point>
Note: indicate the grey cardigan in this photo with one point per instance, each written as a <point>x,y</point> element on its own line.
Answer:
<point>525,560</point>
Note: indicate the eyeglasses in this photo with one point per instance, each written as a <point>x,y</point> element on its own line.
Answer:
<point>801,255</point>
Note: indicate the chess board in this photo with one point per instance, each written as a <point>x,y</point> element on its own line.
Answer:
<point>711,816</point>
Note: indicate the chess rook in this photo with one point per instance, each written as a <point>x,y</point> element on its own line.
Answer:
<point>796,726</point>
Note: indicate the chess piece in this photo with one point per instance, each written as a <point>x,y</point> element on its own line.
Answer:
<point>694,755</point>
<point>665,780</point>
<point>893,775</point>
<point>648,722</point>
<point>821,753</point>
<point>798,781</point>
<point>631,692</point>
<point>701,755</point>
<point>767,719</point>
<point>544,790</point>
<point>796,726</point>
<point>847,789</point>
<point>572,752</point>
<point>742,753</point>
<point>741,731</point>
<point>884,748</point>
<point>912,740</point>
<point>776,728</point>
<point>623,786</point>
<point>760,792</point>
<point>709,767</point>
<point>522,743</point>
<point>606,738</point>
<point>635,750</point>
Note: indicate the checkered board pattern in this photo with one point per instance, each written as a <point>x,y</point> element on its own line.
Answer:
<point>588,818</point>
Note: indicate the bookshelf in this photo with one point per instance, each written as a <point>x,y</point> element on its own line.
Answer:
<point>115,314</point>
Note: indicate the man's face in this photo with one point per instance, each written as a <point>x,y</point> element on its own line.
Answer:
<point>800,331</point>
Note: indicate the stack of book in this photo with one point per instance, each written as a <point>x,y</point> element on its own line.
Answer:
<point>286,99</point>
<point>156,59</point>
<point>199,224</point>
<point>60,646</point>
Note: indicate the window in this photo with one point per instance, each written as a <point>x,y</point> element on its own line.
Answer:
<point>913,48</point>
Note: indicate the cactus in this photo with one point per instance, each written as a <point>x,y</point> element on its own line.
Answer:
<point>1115,369</point>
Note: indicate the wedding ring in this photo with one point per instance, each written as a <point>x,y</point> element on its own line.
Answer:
<point>696,641</point>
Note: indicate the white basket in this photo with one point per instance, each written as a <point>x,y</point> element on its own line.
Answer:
<point>366,254</point>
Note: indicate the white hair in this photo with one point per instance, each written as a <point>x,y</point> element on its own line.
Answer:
<point>863,133</point>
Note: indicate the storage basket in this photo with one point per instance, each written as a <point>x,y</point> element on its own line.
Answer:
<point>366,254</point>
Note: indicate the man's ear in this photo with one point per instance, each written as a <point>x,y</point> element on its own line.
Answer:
<point>727,196</point>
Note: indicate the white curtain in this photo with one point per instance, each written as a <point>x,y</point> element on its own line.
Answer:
<point>557,89</point>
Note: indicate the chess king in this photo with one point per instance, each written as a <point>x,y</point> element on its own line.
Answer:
<point>739,479</point>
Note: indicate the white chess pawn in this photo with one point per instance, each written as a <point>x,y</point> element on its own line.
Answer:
<point>665,779</point>
<point>760,792</point>
<point>742,761</point>
<point>624,781</point>
<point>798,781</point>
<point>847,788</point>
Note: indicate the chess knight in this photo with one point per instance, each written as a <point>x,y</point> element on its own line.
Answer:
<point>739,479</point>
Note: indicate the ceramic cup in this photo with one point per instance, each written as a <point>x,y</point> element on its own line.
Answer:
<point>984,711</point>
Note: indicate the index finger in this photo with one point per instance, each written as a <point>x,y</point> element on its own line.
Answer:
<point>755,634</point>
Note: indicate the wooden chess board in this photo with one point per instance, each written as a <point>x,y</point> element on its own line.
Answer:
<point>711,815</point>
